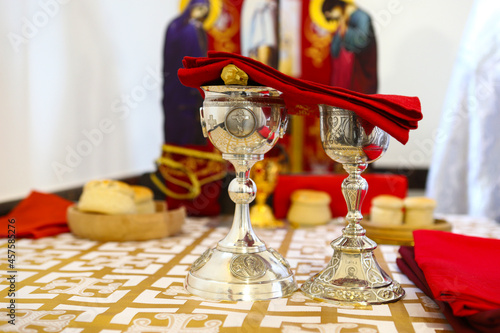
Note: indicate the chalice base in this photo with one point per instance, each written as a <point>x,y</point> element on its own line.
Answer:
<point>227,276</point>
<point>353,276</point>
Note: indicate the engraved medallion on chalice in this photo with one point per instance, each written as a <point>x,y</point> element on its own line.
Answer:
<point>244,123</point>
<point>353,274</point>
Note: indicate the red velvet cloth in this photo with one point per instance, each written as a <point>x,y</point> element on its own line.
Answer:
<point>396,115</point>
<point>377,184</point>
<point>460,270</point>
<point>486,322</point>
<point>409,267</point>
<point>38,215</point>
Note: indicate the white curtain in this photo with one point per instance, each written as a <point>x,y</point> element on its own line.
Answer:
<point>464,175</point>
<point>80,91</point>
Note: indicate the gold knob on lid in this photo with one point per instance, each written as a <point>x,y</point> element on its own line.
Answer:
<point>233,75</point>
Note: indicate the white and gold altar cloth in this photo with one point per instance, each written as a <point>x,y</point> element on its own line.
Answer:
<point>70,285</point>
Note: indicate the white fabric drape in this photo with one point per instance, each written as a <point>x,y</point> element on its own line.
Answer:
<point>80,87</point>
<point>464,175</point>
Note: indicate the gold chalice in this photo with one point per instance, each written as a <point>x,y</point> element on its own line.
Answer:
<point>265,174</point>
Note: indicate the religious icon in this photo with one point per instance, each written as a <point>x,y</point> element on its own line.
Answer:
<point>326,41</point>
<point>189,172</point>
<point>353,47</point>
<point>339,49</point>
<point>185,37</point>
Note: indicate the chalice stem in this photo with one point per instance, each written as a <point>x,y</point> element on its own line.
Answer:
<point>241,222</point>
<point>354,189</point>
<point>261,198</point>
<point>242,191</point>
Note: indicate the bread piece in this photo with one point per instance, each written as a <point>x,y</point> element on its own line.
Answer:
<point>107,197</point>
<point>143,200</point>
<point>387,201</point>
<point>419,211</point>
<point>419,203</point>
<point>386,210</point>
<point>309,207</point>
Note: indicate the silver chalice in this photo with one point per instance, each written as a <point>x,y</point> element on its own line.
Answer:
<point>353,274</point>
<point>243,122</point>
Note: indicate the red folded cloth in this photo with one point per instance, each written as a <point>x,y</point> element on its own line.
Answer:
<point>396,115</point>
<point>486,322</point>
<point>460,270</point>
<point>38,215</point>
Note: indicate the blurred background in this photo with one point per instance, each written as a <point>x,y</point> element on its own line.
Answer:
<point>81,83</point>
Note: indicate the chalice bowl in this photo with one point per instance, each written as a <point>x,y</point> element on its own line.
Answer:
<point>243,122</point>
<point>353,274</point>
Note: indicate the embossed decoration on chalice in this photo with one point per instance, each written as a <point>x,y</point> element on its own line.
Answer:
<point>248,266</point>
<point>240,122</point>
<point>202,260</point>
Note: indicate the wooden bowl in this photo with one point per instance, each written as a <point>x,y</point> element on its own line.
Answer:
<point>126,227</point>
<point>399,235</point>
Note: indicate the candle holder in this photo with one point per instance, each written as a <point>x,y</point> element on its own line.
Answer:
<point>243,122</point>
<point>353,274</point>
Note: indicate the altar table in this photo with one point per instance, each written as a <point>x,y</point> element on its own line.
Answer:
<point>70,285</point>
